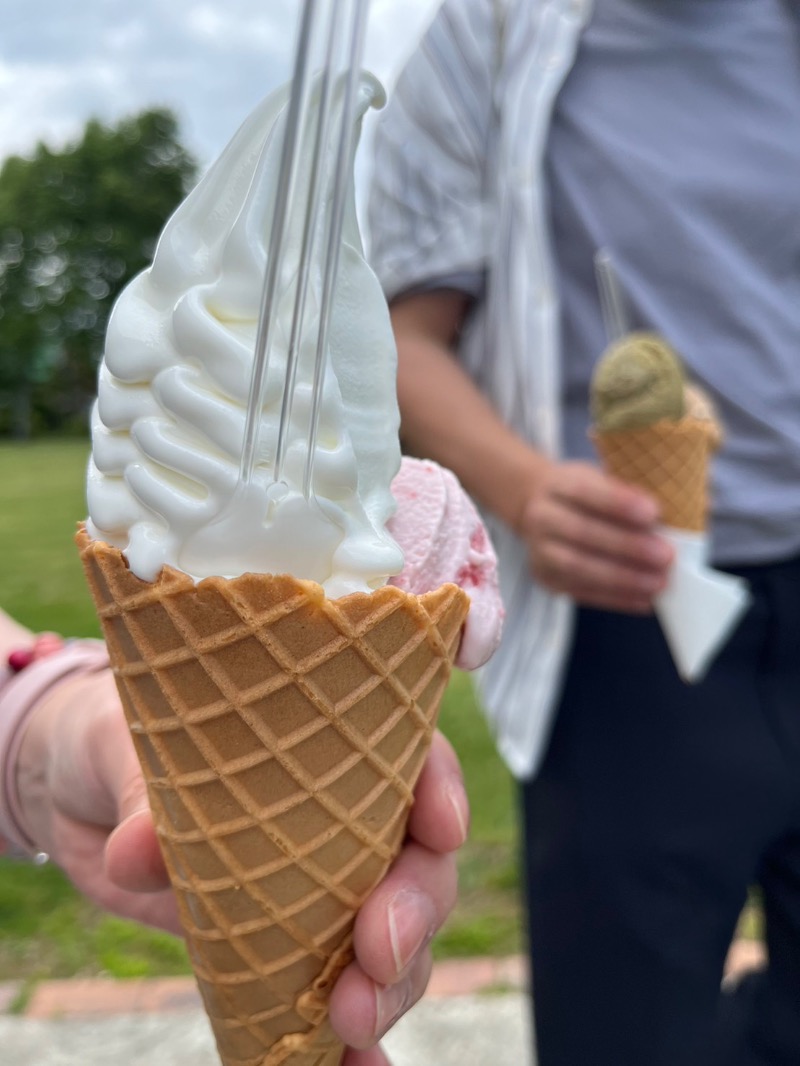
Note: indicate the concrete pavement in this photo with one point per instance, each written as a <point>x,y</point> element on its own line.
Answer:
<point>475,1012</point>
<point>459,1031</point>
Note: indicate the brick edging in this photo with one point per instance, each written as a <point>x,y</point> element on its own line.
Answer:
<point>96,997</point>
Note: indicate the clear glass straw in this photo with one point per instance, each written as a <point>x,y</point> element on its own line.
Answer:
<point>346,145</point>
<point>311,223</point>
<point>612,302</point>
<point>296,118</point>
<point>343,26</point>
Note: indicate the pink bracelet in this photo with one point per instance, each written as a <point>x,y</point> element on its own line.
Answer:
<point>20,693</point>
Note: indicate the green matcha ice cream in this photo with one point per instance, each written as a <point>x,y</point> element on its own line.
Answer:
<point>637,382</point>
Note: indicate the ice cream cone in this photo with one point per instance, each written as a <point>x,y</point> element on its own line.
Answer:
<point>668,459</point>
<point>280,735</point>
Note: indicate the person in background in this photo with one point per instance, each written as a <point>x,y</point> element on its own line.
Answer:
<point>524,136</point>
<point>71,789</point>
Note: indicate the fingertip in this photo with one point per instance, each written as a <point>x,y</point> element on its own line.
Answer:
<point>669,551</point>
<point>631,501</point>
<point>443,753</point>
<point>398,921</point>
<point>353,1008</point>
<point>440,817</point>
<point>133,858</point>
<point>362,1011</point>
<point>642,508</point>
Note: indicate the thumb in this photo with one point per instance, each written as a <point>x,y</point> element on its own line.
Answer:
<point>133,857</point>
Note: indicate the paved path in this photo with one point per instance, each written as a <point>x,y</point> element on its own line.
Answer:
<point>461,1031</point>
<point>475,1014</point>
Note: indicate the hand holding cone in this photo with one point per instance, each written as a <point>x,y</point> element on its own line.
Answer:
<point>655,431</point>
<point>281,735</point>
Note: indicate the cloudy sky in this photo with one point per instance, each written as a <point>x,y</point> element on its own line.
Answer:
<point>211,61</point>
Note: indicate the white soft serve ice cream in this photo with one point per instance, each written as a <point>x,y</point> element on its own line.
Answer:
<point>168,424</point>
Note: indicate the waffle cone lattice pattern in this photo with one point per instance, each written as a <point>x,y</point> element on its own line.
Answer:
<point>281,735</point>
<point>669,460</point>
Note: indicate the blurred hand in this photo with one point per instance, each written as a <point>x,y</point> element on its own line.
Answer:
<point>85,804</point>
<point>83,796</point>
<point>594,537</point>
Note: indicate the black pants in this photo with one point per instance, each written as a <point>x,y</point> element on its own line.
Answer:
<point>658,804</point>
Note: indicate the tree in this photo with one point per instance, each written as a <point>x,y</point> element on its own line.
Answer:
<point>75,225</point>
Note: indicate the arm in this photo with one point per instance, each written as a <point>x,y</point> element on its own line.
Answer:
<point>446,418</point>
<point>588,534</point>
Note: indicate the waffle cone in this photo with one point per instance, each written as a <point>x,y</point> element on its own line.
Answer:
<point>281,735</point>
<point>668,459</point>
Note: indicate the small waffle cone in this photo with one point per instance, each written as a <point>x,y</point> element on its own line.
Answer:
<point>280,735</point>
<point>668,459</point>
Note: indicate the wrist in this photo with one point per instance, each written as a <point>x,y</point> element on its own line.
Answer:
<point>32,804</point>
<point>518,475</point>
<point>23,694</point>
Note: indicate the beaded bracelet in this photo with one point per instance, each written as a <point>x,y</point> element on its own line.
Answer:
<point>29,675</point>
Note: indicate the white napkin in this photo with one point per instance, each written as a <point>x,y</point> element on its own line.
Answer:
<point>700,606</point>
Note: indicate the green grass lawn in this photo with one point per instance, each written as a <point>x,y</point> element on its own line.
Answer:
<point>46,929</point>
<point>43,499</point>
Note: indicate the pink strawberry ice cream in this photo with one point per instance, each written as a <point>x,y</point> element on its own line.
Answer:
<point>443,539</point>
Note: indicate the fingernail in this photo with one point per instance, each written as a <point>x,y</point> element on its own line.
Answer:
<point>457,798</point>
<point>390,1002</point>
<point>411,921</point>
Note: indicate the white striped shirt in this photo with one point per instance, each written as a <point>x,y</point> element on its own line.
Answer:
<point>458,188</point>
